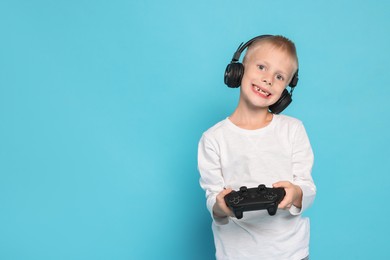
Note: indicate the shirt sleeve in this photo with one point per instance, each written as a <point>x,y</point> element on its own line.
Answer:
<point>211,178</point>
<point>302,163</point>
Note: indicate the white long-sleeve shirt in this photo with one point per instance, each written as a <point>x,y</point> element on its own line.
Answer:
<point>229,156</point>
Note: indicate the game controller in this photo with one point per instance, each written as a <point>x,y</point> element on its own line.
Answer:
<point>254,199</point>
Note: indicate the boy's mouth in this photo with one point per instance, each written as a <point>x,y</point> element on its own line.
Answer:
<point>261,91</point>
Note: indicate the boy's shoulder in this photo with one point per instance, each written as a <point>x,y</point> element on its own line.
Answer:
<point>216,128</point>
<point>284,119</point>
<point>287,125</point>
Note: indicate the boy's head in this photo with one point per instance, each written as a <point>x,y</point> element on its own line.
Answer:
<point>269,66</point>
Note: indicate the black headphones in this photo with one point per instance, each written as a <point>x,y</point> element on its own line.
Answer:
<point>235,71</point>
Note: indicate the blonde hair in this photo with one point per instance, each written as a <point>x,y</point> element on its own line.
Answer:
<point>277,41</point>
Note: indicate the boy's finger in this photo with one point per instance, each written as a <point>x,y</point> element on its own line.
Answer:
<point>280,184</point>
<point>227,191</point>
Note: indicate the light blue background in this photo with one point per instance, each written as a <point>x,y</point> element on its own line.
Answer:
<point>102,104</point>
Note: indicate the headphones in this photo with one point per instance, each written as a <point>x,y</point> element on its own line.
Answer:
<point>235,71</point>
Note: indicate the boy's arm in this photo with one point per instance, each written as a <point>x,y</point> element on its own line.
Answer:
<point>220,209</point>
<point>211,180</point>
<point>302,163</point>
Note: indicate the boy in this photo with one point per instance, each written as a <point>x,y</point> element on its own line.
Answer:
<point>255,146</point>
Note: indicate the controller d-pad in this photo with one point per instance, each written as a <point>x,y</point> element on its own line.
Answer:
<point>236,200</point>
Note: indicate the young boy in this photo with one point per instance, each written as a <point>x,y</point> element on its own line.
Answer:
<point>255,146</point>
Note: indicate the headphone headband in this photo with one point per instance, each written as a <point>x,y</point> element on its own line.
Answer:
<point>243,46</point>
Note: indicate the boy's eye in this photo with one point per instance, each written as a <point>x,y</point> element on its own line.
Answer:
<point>261,67</point>
<point>279,77</point>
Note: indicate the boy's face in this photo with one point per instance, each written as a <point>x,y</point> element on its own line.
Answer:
<point>268,71</point>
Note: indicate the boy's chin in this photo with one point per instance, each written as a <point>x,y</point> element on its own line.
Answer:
<point>258,106</point>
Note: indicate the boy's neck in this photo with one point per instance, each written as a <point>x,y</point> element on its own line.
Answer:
<point>251,119</point>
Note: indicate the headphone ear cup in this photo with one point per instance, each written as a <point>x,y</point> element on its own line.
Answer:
<point>294,80</point>
<point>283,102</point>
<point>233,75</point>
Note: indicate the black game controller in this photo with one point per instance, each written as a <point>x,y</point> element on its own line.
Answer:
<point>255,199</point>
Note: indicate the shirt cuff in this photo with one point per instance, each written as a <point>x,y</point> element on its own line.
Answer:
<point>295,210</point>
<point>220,221</point>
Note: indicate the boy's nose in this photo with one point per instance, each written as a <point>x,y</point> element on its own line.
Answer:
<point>267,82</point>
<point>267,78</point>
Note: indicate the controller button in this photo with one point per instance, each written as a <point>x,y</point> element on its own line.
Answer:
<point>270,196</point>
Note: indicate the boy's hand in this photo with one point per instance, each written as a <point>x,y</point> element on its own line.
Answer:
<point>220,208</point>
<point>293,195</point>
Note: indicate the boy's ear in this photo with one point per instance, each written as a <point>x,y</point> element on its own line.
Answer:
<point>233,75</point>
